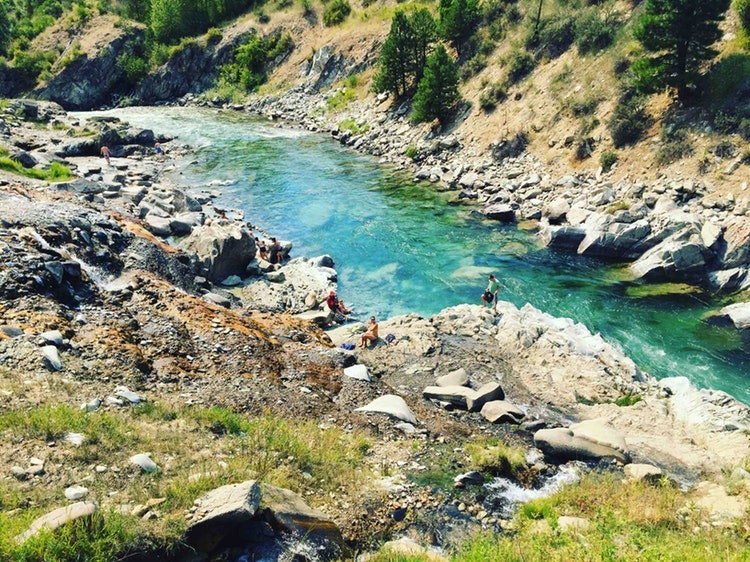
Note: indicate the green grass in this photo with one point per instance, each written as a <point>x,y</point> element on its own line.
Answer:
<point>225,447</point>
<point>56,171</point>
<point>350,124</point>
<point>341,99</point>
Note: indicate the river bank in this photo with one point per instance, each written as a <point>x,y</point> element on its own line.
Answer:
<point>157,337</point>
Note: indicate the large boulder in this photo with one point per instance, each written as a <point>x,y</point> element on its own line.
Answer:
<point>261,519</point>
<point>591,440</point>
<point>737,315</point>
<point>615,241</point>
<point>681,257</point>
<point>735,249</point>
<point>222,249</point>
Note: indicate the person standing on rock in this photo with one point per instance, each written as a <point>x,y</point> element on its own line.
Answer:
<point>275,252</point>
<point>105,153</point>
<point>489,297</point>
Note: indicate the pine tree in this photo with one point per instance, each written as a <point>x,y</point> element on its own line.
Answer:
<point>404,53</point>
<point>458,18</point>
<point>6,28</point>
<point>437,92</point>
<point>679,35</point>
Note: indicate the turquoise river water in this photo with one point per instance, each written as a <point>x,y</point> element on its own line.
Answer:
<point>399,247</point>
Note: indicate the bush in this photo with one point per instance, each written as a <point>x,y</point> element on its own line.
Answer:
<point>553,37</point>
<point>594,33</point>
<point>411,151</point>
<point>607,160</point>
<point>724,149</point>
<point>490,97</point>
<point>336,12</point>
<point>675,145</point>
<point>213,36</point>
<point>520,64</point>
<point>744,129</point>
<point>629,120</point>
<point>726,122</point>
<point>134,67</point>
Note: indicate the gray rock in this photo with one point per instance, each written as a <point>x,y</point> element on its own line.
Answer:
<point>216,298</point>
<point>454,378</point>
<point>220,512</point>
<point>500,411</point>
<point>485,393</point>
<point>566,238</point>
<point>91,405</point>
<point>737,315</point>
<point>52,357</point>
<point>735,251</point>
<point>500,212</point>
<point>473,478</point>
<point>642,472</point>
<point>53,337</point>
<point>588,440</point>
<point>160,226</point>
<point>222,249</point>
<point>57,518</point>
<point>392,405</point>
<point>127,394</point>
<point>455,395</point>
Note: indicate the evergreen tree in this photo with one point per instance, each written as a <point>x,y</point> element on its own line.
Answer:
<point>437,92</point>
<point>425,32</point>
<point>171,20</point>
<point>395,57</point>
<point>679,35</point>
<point>458,18</point>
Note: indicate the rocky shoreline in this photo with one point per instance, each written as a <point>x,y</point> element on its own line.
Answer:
<point>94,259</point>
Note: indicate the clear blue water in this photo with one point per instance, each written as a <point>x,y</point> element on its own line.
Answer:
<point>399,247</point>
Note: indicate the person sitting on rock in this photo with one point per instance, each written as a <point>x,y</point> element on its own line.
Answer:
<point>371,335</point>
<point>336,305</point>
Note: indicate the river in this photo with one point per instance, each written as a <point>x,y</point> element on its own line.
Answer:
<point>399,247</point>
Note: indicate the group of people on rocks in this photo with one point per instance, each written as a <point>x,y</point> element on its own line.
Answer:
<point>273,253</point>
<point>337,308</point>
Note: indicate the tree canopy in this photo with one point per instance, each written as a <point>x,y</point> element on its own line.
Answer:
<point>678,34</point>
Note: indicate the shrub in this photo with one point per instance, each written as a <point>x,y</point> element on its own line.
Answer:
<point>490,97</point>
<point>411,151</point>
<point>213,36</point>
<point>594,33</point>
<point>351,124</point>
<point>520,64</point>
<point>675,145</point>
<point>134,67</point>
<point>336,12</point>
<point>629,119</point>
<point>726,122</point>
<point>340,99</point>
<point>552,38</point>
<point>607,160</point>
<point>724,149</point>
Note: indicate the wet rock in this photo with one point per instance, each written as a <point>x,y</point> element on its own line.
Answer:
<point>500,212</point>
<point>736,315</point>
<point>472,478</point>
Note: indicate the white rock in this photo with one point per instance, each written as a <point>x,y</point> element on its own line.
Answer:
<point>393,406</point>
<point>143,460</point>
<point>76,493</point>
<point>358,372</point>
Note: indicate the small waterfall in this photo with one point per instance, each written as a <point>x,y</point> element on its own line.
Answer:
<point>504,496</point>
